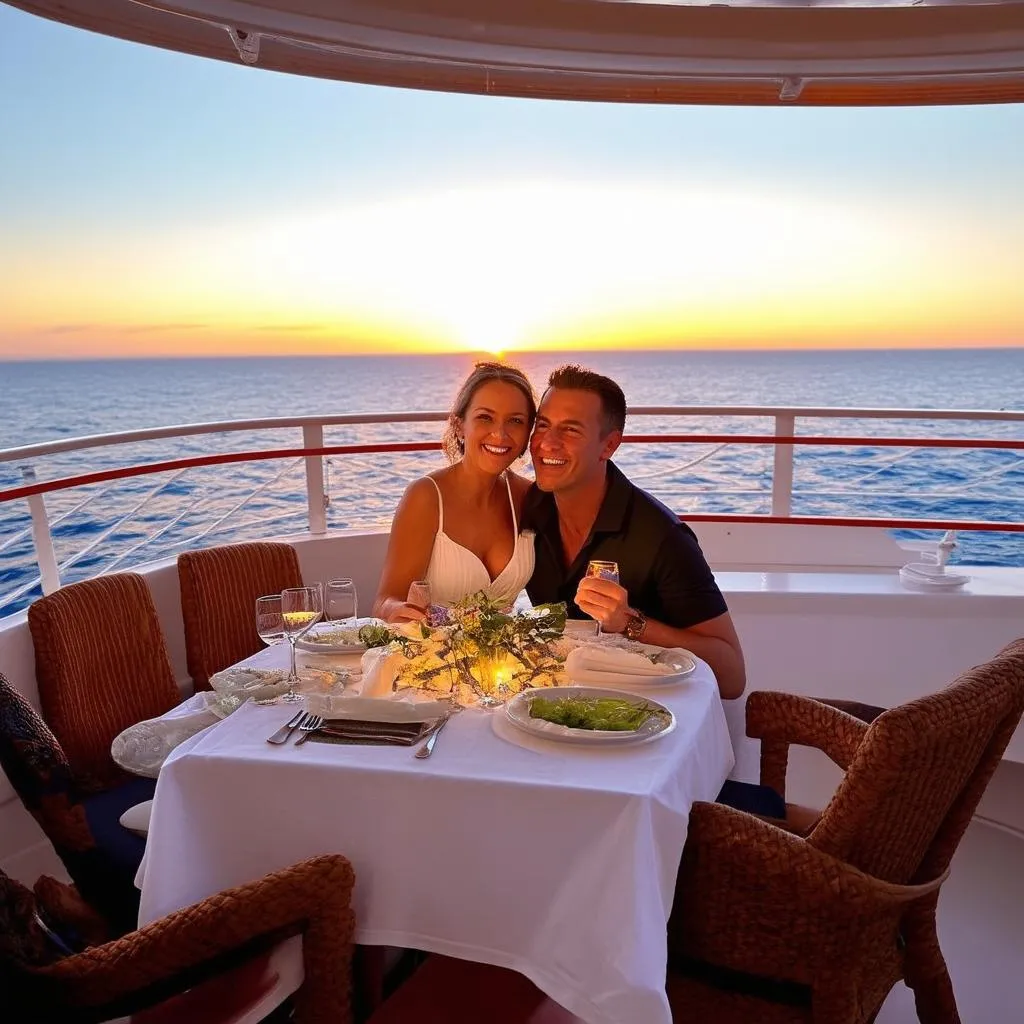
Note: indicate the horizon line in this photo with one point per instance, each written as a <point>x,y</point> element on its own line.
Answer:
<point>511,354</point>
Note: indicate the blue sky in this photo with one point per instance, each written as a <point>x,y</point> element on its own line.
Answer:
<point>111,150</point>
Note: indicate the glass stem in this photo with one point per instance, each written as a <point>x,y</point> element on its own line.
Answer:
<point>292,675</point>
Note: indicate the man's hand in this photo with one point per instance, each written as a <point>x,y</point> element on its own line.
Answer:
<point>605,601</point>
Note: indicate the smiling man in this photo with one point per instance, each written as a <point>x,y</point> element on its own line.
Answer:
<point>583,508</point>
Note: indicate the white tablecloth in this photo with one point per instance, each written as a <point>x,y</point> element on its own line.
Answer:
<point>557,862</point>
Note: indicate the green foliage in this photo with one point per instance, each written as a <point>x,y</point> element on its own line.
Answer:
<point>609,714</point>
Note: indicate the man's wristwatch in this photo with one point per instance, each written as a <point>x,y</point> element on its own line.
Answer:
<point>635,625</point>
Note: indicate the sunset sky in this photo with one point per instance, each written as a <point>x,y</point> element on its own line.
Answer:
<point>155,204</point>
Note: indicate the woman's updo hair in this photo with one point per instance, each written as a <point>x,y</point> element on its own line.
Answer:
<point>483,373</point>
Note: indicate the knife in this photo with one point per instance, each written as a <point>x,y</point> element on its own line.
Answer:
<point>282,734</point>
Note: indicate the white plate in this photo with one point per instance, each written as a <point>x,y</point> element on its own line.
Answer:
<point>518,712</point>
<point>309,644</point>
<point>673,657</point>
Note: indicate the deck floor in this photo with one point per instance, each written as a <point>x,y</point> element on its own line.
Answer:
<point>981,931</point>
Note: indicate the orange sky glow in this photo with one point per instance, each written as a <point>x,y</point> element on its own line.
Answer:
<point>526,266</point>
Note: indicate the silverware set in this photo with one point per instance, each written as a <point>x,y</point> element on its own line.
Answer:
<point>301,721</point>
<point>305,724</point>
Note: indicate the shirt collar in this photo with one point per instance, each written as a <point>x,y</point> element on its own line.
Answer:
<point>612,513</point>
<point>541,510</point>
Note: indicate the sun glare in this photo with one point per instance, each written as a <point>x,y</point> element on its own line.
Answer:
<point>512,266</point>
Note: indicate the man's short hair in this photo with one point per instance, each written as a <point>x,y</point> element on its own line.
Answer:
<point>574,377</point>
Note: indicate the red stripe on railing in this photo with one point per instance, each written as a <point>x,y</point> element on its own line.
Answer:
<point>64,483</point>
<point>211,460</point>
<point>865,442</point>
<point>888,524</point>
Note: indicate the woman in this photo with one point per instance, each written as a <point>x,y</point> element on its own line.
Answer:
<point>458,528</point>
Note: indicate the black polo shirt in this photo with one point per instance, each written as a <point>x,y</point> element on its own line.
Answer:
<point>660,561</point>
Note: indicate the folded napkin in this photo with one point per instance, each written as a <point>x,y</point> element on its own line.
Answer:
<point>376,709</point>
<point>604,666</point>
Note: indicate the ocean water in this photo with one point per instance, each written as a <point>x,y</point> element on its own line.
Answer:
<point>115,525</point>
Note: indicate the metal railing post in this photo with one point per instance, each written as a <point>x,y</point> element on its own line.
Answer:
<point>782,469</point>
<point>313,437</point>
<point>46,559</point>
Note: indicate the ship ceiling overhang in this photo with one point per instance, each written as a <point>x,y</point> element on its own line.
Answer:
<point>773,52</point>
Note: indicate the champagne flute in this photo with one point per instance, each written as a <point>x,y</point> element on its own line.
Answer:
<point>340,603</point>
<point>300,608</point>
<point>603,571</point>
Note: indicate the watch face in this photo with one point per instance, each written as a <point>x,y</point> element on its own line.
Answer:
<point>634,627</point>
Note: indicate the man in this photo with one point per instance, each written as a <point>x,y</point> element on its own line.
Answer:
<point>584,508</point>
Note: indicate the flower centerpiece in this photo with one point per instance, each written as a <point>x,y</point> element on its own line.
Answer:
<point>476,652</point>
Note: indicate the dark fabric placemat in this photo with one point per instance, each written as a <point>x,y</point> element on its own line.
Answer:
<point>354,730</point>
<point>364,741</point>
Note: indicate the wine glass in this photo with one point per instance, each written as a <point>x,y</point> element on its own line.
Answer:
<point>270,627</point>
<point>300,608</point>
<point>269,624</point>
<point>419,595</point>
<point>603,571</point>
<point>340,603</point>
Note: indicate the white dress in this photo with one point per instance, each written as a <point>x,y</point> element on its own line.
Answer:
<point>456,572</point>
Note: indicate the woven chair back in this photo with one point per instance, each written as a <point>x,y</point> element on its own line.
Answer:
<point>920,771</point>
<point>101,665</point>
<point>219,587</point>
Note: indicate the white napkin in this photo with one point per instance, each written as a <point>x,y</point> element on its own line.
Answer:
<point>603,666</point>
<point>372,709</point>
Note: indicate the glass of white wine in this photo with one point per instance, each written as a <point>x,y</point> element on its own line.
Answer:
<point>300,608</point>
<point>603,571</point>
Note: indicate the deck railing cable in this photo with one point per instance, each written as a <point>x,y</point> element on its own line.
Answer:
<point>396,461</point>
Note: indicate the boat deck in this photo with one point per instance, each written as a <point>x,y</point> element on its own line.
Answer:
<point>981,930</point>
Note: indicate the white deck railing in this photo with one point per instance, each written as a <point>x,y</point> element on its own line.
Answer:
<point>787,430</point>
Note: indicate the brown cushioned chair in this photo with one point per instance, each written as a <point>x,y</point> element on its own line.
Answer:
<point>219,587</point>
<point>101,665</point>
<point>216,955</point>
<point>770,926</point>
<point>100,856</point>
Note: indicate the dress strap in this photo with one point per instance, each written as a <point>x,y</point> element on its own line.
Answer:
<point>512,505</point>
<point>440,506</point>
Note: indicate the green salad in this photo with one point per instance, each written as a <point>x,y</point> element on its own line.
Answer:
<point>609,714</point>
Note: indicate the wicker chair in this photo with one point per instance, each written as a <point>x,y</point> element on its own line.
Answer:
<point>219,587</point>
<point>215,951</point>
<point>100,856</point>
<point>101,665</point>
<point>770,926</point>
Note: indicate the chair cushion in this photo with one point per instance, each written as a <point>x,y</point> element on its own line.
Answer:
<point>104,810</point>
<point>752,798</point>
<point>106,875</point>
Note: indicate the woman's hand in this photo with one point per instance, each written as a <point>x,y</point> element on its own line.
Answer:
<point>605,601</point>
<point>406,613</point>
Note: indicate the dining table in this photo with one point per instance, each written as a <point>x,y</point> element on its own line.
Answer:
<point>554,859</point>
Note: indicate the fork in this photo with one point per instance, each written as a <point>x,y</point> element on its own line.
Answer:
<point>308,727</point>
